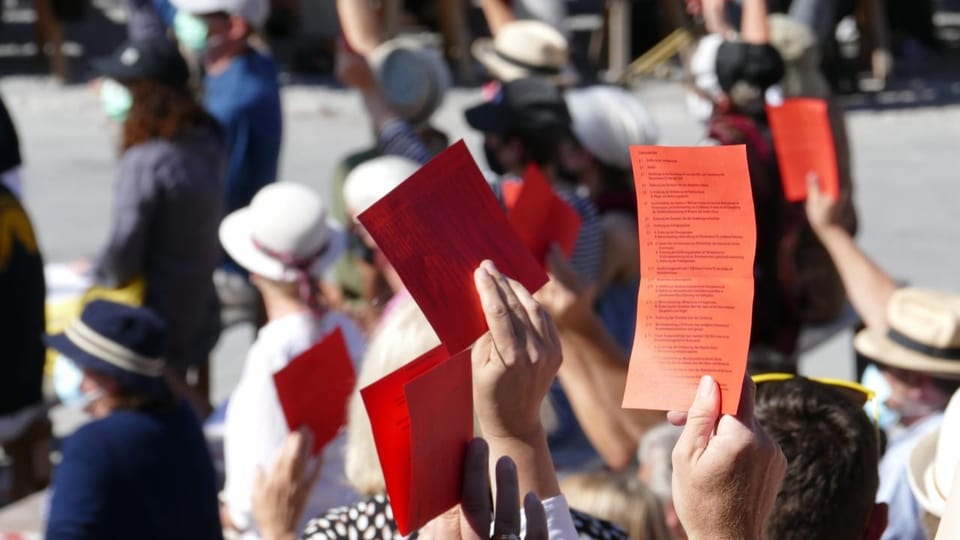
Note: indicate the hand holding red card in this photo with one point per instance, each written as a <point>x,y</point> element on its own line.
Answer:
<point>539,216</point>
<point>803,140</point>
<point>435,228</point>
<point>422,421</point>
<point>314,388</point>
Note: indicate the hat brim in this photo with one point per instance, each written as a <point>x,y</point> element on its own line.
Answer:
<point>112,68</point>
<point>84,360</point>
<point>199,7</point>
<point>878,347</point>
<point>920,473</point>
<point>236,236</point>
<point>504,70</point>
<point>488,117</point>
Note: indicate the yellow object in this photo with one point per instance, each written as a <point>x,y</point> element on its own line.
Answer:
<point>859,394</point>
<point>62,311</point>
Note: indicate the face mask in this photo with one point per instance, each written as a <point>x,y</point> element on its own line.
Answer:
<point>191,31</point>
<point>492,160</point>
<point>873,379</point>
<point>115,99</point>
<point>67,381</point>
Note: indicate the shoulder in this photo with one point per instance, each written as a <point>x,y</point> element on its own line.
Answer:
<point>370,518</point>
<point>595,528</point>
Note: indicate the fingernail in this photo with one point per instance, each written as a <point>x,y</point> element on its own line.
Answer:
<point>489,266</point>
<point>707,387</point>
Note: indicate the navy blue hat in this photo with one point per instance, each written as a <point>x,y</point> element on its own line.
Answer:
<point>531,104</point>
<point>157,59</point>
<point>123,342</point>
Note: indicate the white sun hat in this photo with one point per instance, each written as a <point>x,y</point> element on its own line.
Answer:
<point>933,461</point>
<point>254,12</point>
<point>368,182</point>
<point>607,120</point>
<point>284,232</point>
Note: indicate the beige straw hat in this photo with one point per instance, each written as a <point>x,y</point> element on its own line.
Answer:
<point>527,48</point>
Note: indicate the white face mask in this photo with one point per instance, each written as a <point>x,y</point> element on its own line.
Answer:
<point>67,384</point>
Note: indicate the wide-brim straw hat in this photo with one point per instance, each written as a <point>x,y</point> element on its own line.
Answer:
<point>527,48</point>
<point>923,335</point>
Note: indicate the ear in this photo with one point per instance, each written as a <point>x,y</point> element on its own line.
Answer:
<point>878,522</point>
<point>239,28</point>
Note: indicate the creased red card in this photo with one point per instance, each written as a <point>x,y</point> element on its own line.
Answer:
<point>435,228</point>
<point>697,242</point>
<point>539,216</point>
<point>314,388</point>
<point>422,421</point>
<point>804,144</point>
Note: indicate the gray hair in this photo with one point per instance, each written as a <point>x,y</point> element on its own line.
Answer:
<point>655,458</point>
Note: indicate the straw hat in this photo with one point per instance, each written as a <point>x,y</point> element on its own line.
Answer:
<point>368,182</point>
<point>933,461</point>
<point>527,48</point>
<point>607,120</point>
<point>414,77</point>
<point>924,333</point>
<point>284,232</point>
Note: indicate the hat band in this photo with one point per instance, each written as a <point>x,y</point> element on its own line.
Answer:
<point>539,70</point>
<point>289,259</point>
<point>96,344</point>
<point>951,353</point>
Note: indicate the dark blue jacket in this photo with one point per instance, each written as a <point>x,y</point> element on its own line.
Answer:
<point>138,475</point>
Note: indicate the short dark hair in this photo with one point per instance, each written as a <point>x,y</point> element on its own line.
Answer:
<point>161,111</point>
<point>540,146</point>
<point>832,456</point>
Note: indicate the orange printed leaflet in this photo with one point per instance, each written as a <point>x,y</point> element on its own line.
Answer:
<point>539,216</point>
<point>697,242</point>
<point>314,387</point>
<point>435,228</point>
<point>804,144</point>
<point>422,420</point>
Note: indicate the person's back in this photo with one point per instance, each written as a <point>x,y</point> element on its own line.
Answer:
<point>245,99</point>
<point>22,289</point>
<point>136,474</point>
<point>832,453</point>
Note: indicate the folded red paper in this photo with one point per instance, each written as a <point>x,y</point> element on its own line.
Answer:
<point>314,388</point>
<point>422,421</point>
<point>697,243</point>
<point>435,228</point>
<point>804,145</point>
<point>540,217</point>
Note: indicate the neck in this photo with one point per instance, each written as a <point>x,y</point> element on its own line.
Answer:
<point>215,66</point>
<point>279,305</point>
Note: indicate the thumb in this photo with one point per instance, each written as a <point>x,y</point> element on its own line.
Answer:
<point>701,419</point>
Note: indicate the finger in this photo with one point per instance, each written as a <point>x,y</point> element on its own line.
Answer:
<point>259,479</point>
<point>560,268</point>
<point>300,444</point>
<point>495,309</point>
<point>677,418</point>
<point>748,396</point>
<point>536,517</point>
<point>509,294</point>
<point>507,511</point>
<point>536,315</point>
<point>475,493</point>
<point>701,419</point>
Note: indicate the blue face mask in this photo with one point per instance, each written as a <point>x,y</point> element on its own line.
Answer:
<point>191,31</point>
<point>873,379</point>
<point>115,99</point>
<point>67,384</point>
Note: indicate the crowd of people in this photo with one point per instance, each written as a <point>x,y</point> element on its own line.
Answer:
<point>197,98</point>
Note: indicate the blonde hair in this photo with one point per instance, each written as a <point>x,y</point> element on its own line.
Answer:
<point>619,498</point>
<point>404,335</point>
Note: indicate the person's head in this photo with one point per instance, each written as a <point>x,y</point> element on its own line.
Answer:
<point>523,123</point>
<point>607,120</point>
<point>526,48</point>
<point>919,355</point>
<point>654,456</point>
<point>404,334</point>
<point>832,452</point>
<point>285,240</point>
<point>111,358</point>
<point>731,77</point>
<point>218,29</point>
<point>621,499</point>
<point>933,465</point>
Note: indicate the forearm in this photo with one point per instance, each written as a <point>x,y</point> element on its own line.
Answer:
<point>531,455</point>
<point>753,25</point>
<point>868,287</point>
<point>359,24</point>
<point>497,13</point>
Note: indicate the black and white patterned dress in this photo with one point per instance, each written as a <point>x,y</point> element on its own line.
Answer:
<point>372,519</point>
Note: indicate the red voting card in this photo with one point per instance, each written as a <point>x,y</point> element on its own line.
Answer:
<point>804,144</point>
<point>422,421</point>
<point>697,242</point>
<point>314,388</point>
<point>435,228</point>
<point>539,216</point>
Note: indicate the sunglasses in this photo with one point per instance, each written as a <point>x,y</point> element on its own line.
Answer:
<point>857,393</point>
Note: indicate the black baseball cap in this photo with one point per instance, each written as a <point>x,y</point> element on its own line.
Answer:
<point>155,59</point>
<point>530,104</point>
<point>756,64</point>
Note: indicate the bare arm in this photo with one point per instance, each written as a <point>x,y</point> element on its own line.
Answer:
<point>753,24</point>
<point>868,287</point>
<point>359,24</point>
<point>497,13</point>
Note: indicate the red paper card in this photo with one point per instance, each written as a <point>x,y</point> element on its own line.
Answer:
<point>314,388</point>
<point>422,421</point>
<point>804,144</point>
<point>435,228</point>
<point>539,216</point>
<point>697,242</point>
